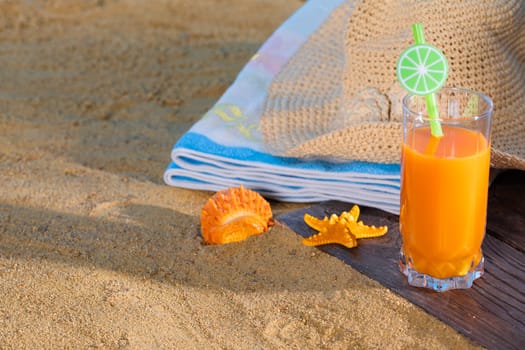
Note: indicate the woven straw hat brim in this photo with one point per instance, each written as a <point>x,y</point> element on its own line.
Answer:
<point>338,96</point>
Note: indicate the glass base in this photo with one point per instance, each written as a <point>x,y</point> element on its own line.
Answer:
<point>417,279</point>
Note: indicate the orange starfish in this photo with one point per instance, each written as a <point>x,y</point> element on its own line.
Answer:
<point>329,231</point>
<point>343,229</point>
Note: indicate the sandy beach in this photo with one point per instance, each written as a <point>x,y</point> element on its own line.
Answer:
<point>96,252</point>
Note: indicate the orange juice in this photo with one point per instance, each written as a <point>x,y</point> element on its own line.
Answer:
<point>444,188</point>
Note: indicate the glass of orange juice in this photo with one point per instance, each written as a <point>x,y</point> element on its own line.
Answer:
<point>444,189</point>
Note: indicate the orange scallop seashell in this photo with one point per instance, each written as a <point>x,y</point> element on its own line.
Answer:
<point>233,215</point>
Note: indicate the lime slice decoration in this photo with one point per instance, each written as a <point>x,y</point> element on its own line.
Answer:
<point>422,69</point>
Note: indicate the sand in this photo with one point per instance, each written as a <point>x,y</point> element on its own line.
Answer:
<point>96,252</point>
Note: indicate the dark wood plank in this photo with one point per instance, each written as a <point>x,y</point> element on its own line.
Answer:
<point>506,215</point>
<point>492,312</point>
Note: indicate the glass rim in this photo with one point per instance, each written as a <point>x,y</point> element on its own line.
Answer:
<point>485,114</point>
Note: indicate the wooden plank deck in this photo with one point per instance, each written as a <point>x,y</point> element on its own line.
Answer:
<point>492,312</point>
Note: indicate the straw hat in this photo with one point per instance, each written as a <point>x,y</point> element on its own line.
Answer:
<point>338,96</point>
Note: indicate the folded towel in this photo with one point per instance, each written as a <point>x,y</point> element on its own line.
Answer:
<point>225,148</point>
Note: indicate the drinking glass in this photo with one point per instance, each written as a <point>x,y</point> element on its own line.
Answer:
<point>444,189</point>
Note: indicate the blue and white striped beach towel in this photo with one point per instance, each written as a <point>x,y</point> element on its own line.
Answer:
<point>225,147</point>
